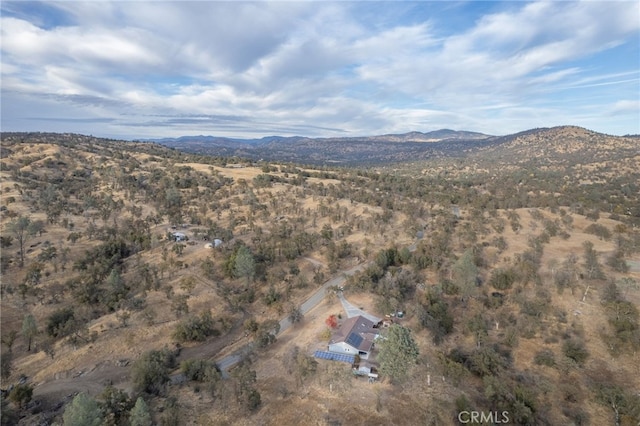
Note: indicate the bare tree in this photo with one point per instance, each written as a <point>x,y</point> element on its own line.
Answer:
<point>22,229</point>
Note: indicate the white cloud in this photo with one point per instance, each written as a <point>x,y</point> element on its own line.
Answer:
<point>626,106</point>
<point>328,65</point>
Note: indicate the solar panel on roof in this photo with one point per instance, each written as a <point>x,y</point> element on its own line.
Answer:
<point>331,356</point>
<point>354,340</point>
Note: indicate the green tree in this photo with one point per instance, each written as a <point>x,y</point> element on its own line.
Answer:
<point>6,365</point>
<point>466,272</point>
<point>21,394</point>
<point>29,329</point>
<point>171,413</point>
<point>244,379</point>
<point>60,322</point>
<point>116,289</point>
<point>398,352</point>
<point>9,339</point>
<point>34,274</point>
<point>300,365</point>
<point>623,318</point>
<point>615,393</point>
<point>173,205</point>
<point>435,316</point>
<point>179,305</point>
<point>115,405</point>
<point>48,253</point>
<point>150,372</point>
<point>245,265</point>
<point>253,400</point>
<point>8,416</point>
<point>576,350</point>
<point>195,329</point>
<point>178,249</point>
<point>267,332</point>
<point>591,263</point>
<point>617,262</point>
<point>83,411</point>
<point>502,279</point>
<point>200,370</point>
<point>140,415</point>
<point>295,315</point>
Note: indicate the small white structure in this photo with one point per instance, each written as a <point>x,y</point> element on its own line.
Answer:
<point>179,236</point>
<point>364,370</point>
<point>217,242</point>
<point>208,245</point>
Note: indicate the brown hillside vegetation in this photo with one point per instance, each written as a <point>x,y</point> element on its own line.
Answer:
<point>133,270</point>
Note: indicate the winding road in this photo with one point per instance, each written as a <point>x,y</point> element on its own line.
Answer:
<point>318,296</point>
<point>93,381</point>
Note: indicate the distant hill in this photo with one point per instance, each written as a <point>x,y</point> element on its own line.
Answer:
<point>338,150</point>
<point>558,145</point>
<point>545,145</point>
<point>433,136</point>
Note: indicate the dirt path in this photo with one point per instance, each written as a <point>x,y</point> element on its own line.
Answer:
<point>54,393</point>
<point>313,300</point>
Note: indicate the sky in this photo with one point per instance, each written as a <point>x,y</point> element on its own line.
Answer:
<point>136,69</point>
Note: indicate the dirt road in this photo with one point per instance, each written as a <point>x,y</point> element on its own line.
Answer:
<point>93,380</point>
<point>318,296</point>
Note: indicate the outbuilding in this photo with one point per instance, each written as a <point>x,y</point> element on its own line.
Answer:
<point>179,236</point>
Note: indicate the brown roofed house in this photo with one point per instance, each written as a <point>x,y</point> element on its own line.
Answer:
<point>355,337</point>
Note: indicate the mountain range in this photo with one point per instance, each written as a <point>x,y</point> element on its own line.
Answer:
<point>539,144</point>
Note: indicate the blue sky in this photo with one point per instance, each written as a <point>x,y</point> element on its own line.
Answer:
<point>140,69</point>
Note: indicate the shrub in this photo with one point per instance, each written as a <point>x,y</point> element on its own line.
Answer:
<point>150,372</point>
<point>195,329</point>
<point>266,333</point>
<point>253,400</point>
<point>58,322</point>
<point>617,262</point>
<point>200,370</point>
<point>502,279</point>
<point>20,395</point>
<point>487,361</point>
<point>545,357</point>
<point>325,335</point>
<point>436,317</point>
<point>577,415</point>
<point>574,349</point>
<point>449,288</point>
<point>598,230</point>
<point>332,322</point>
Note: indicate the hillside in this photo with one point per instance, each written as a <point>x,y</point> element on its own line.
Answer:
<point>515,262</point>
<point>347,151</point>
<point>568,145</point>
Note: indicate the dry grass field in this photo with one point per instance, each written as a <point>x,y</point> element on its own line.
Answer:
<point>304,227</point>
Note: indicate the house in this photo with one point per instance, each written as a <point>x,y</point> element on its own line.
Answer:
<point>355,337</point>
<point>179,236</point>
